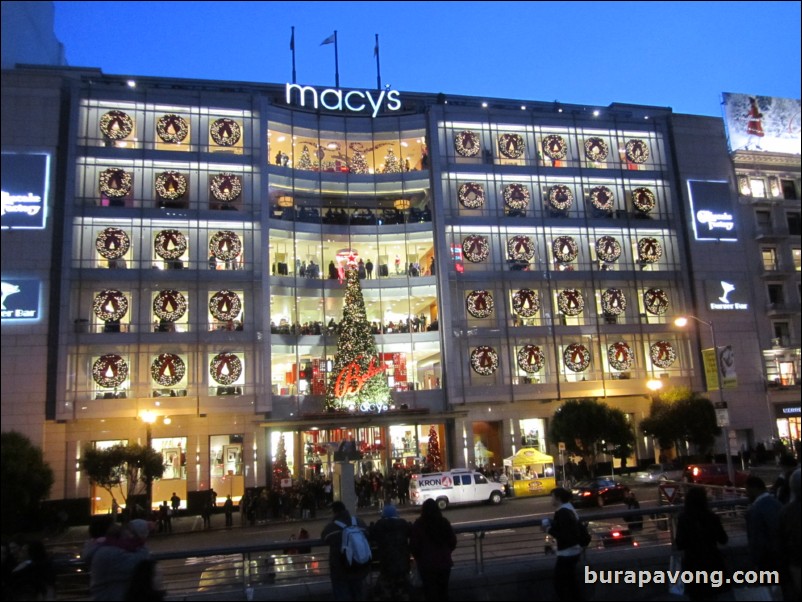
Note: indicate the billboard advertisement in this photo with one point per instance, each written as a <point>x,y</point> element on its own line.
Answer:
<point>762,123</point>
<point>25,178</point>
<point>711,206</point>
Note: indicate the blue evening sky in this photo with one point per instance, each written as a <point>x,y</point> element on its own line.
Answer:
<point>682,55</point>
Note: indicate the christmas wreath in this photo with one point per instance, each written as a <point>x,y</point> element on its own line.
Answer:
<point>516,196</point>
<point>115,183</point>
<point>110,371</point>
<point>225,368</point>
<point>620,356</point>
<point>643,199</point>
<point>613,302</point>
<point>480,304</point>
<point>225,305</point>
<point>116,125</point>
<point>169,305</point>
<point>467,144</point>
<point>602,198</point>
<point>565,249</point>
<point>526,302</point>
<point>530,358</point>
<point>171,185</point>
<point>170,244</point>
<point>225,132</point>
<point>520,248</point>
<point>662,354</point>
<point>225,245</point>
<point>655,300</point>
<point>596,149</point>
<point>475,248</point>
<point>637,151</point>
<point>560,197</point>
<point>110,305</point>
<point>112,243</point>
<point>511,146</point>
<point>471,195</point>
<point>576,357</point>
<point>167,369</point>
<point>570,302</point>
<point>172,129</point>
<point>484,360</point>
<point>554,147</point>
<point>649,250</point>
<point>226,187</point>
<point>608,249</point>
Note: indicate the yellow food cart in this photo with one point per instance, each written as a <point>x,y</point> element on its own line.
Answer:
<point>531,472</point>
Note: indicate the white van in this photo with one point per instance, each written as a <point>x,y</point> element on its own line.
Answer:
<point>458,486</point>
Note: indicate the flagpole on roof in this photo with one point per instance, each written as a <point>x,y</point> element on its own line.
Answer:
<point>329,40</point>
<point>336,63</point>
<point>292,47</point>
<point>378,68</point>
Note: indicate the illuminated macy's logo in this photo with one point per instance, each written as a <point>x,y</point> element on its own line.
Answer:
<point>335,99</point>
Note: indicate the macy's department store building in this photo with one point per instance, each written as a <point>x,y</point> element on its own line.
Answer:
<point>180,282</point>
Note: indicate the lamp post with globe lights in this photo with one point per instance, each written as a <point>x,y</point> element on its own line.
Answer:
<point>681,322</point>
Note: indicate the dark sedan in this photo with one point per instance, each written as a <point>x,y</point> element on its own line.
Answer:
<point>598,492</point>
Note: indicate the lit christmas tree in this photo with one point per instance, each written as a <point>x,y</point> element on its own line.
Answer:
<point>434,463</point>
<point>391,163</point>
<point>280,468</point>
<point>305,162</point>
<point>358,163</point>
<point>357,381</point>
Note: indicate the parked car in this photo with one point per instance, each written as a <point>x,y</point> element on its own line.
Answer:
<point>655,473</point>
<point>599,492</point>
<point>713,474</point>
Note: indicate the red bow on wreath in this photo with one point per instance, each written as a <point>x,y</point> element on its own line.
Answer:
<point>475,244</point>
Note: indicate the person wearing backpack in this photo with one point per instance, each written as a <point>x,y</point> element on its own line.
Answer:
<point>347,574</point>
<point>570,534</point>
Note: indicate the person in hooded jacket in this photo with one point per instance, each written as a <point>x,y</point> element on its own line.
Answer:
<point>431,541</point>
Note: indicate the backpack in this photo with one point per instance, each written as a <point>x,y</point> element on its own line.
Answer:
<point>355,547</point>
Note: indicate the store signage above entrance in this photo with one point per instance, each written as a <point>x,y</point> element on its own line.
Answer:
<point>711,207</point>
<point>350,380</point>
<point>20,299</point>
<point>353,101</point>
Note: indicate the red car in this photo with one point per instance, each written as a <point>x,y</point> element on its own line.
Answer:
<point>713,474</point>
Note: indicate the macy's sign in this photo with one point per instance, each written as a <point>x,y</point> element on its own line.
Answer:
<point>337,100</point>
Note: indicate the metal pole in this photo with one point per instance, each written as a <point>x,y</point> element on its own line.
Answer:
<point>730,469</point>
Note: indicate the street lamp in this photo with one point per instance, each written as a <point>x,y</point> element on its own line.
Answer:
<point>681,322</point>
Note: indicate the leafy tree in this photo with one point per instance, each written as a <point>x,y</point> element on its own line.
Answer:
<point>27,480</point>
<point>128,470</point>
<point>681,418</point>
<point>585,425</point>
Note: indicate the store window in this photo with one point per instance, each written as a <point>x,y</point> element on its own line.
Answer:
<point>532,433</point>
<point>174,454</point>
<point>226,466</point>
